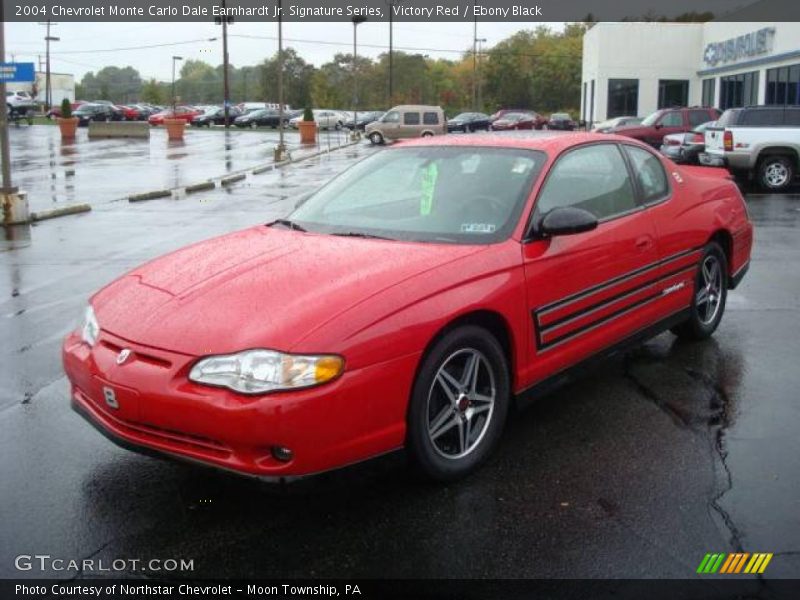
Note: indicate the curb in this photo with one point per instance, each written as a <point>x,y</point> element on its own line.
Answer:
<point>150,195</point>
<point>52,213</point>
<point>232,179</point>
<point>200,187</point>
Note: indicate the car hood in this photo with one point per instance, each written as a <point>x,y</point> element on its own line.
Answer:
<point>261,287</point>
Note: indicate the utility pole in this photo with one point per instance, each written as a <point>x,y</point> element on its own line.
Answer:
<point>354,135</point>
<point>391,53</point>
<point>226,91</point>
<point>475,63</point>
<point>14,203</point>
<point>48,89</point>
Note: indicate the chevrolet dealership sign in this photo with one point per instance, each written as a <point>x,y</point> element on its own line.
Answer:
<point>744,46</point>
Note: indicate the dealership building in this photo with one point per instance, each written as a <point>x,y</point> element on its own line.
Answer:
<point>636,68</point>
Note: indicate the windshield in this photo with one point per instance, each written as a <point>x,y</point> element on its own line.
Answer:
<point>651,119</point>
<point>468,195</point>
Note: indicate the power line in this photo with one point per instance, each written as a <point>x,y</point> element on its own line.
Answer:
<point>103,50</point>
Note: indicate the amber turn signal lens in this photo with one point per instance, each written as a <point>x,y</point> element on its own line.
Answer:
<point>328,368</point>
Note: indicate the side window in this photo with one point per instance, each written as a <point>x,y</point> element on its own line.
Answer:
<point>430,118</point>
<point>594,178</point>
<point>649,174</point>
<point>768,117</point>
<point>698,117</point>
<point>392,117</point>
<point>411,118</point>
<point>672,119</point>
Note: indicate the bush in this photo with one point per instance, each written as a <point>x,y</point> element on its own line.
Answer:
<point>308,114</point>
<point>66,109</point>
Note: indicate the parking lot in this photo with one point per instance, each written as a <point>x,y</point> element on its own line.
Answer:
<point>665,454</point>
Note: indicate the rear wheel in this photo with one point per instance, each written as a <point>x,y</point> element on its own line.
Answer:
<point>458,404</point>
<point>710,294</point>
<point>775,173</point>
<point>427,134</point>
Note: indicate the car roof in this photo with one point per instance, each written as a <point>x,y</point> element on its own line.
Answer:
<point>551,142</point>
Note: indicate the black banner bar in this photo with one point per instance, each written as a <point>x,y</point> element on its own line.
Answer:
<point>706,588</point>
<point>401,10</point>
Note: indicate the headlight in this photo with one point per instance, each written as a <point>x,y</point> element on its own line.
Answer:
<point>261,371</point>
<point>90,329</point>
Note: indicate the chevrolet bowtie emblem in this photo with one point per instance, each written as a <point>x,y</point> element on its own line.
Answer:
<point>123,356</point>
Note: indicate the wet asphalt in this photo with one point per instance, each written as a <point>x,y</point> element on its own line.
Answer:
<point>638,470</point>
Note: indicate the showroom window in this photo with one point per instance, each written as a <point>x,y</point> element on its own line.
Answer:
<point>783,85</point>
<point>738,90</point>
<point>709,92</point>
<point>673,92</point>
<point>623,98</point>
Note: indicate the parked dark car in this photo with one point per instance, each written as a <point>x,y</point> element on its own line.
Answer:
<point>685,148</point>
<point>94,112</point>
<point>55,111</point>
<point>469,121</point>
<point>117,112</point>
<point>562,122</point>
<point>515,120</point>
<point>666,121</point>
<point>216,116</point>
<point>364,119</point>
<point>264,117</point>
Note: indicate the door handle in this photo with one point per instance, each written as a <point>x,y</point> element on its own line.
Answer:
<point>644,243</point>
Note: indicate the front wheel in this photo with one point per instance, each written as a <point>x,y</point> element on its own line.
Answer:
<point>459,404</point>
<point>775,173</point>
<point>710,294</point>
<point>376,138</point>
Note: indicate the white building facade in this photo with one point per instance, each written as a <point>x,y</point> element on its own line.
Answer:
<point>634,69</point>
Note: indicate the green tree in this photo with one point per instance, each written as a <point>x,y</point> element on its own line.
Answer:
<point>152,93</point>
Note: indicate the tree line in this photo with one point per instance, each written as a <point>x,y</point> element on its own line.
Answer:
<point>538,69</point>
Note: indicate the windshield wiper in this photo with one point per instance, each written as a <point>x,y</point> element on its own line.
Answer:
<point>286,223</point>
<point>361,235</point>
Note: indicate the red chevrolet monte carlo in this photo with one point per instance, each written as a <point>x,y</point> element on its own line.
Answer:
<point>408,303</point>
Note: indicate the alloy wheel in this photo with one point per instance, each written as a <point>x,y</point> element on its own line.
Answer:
<point>776,174</point>
<point>709,295</point>
<point>461,403</point>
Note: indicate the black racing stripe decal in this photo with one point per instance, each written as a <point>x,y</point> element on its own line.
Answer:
<point>612,282</point>
<point>608,301</point>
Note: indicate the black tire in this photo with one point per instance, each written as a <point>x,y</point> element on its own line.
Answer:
<point>775,173</point>
<point>701,324</point>
<point>469,417</point>
<point>376,138</point>
<point>427,134</point>
<point>338,125</point>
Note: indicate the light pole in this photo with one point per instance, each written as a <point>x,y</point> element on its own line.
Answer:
<point>479,106</point>
<point>280,150</point>
<point>391,4</point>
<point>355,135</point>
<point>175,59</point>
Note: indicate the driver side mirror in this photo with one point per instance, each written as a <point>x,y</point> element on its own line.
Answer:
<point>565,221</point>
<point>657,126</point>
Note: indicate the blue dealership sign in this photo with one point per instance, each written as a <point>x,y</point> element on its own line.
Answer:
<point>17,72</point>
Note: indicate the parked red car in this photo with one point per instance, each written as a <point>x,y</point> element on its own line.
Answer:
<point>667,121</point>
<point>539,121</point>
<point>187,113</point>
<point>486,270</point>
<point>130,113</point>
<point>55,111</point>
<point>515,120</point>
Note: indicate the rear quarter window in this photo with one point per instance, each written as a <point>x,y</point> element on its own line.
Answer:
<point>430,118</point>
<point>771,117</point>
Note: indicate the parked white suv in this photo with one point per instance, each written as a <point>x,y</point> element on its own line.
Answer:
<point>759,141</point>
<point>20,102</point>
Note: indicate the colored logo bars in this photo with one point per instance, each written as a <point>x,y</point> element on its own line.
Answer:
<point>734,563</point>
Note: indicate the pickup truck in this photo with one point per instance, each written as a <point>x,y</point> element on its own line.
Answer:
<point>758,141</point>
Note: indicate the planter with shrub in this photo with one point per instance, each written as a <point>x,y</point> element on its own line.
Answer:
<point>66,122</point>
<point>308,128</point>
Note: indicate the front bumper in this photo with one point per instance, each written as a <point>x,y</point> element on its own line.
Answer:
<point>159,411</point>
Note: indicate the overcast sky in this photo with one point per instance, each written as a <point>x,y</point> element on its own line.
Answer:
<point>86,46</point>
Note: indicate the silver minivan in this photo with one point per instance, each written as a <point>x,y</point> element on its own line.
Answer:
<point>407,121</point>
